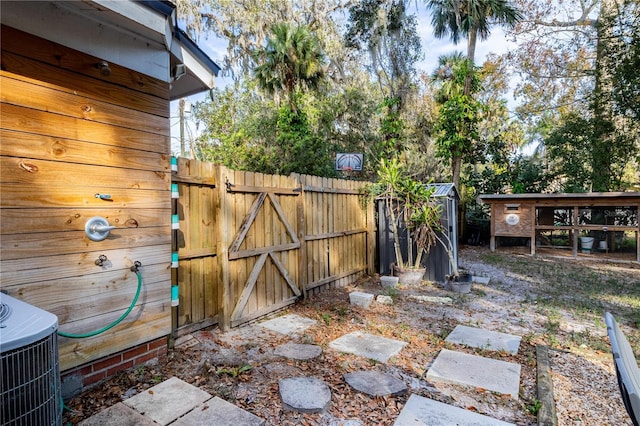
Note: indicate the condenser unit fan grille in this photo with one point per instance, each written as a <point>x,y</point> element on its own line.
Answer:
<point>30,392</point>
<point>30,384</point>
<point>5,311</point>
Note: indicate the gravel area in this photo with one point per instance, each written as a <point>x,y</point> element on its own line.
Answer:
<point>586,390</point>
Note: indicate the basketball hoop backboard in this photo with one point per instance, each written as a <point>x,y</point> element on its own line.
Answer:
<point>349,162</point>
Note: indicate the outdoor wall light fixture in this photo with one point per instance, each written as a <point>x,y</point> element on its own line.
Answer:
<point>104,68</point>
<point>178,71</point>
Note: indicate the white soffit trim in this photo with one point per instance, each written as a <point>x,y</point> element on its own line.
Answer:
<point>100,33</point>
<point>196,68</point>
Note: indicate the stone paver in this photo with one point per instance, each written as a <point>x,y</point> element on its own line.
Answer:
<point>427,412</point>
<point>471,370</point>
<point>218,412</point>
<point>167,401</point>
<point>432,299</point>
<point>298,351</point>
<point>120,415</point>
<point>384,300</point>
<point>281,370</point>
<point>375,383</point>
<point>480,280</point>
<point>367,345</point>
<point>288,324</point>
<point>345,423</point>
<point>360,299</point>
<point>305,394</point>
<point>484,339</point>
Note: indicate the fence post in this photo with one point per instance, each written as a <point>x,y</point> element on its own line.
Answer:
<point>370,217</point>
<point>223,219</point>
<point>302,234</point>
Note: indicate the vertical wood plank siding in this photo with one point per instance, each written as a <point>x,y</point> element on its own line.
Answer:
<point>263,241</point>
<point>67,134</point>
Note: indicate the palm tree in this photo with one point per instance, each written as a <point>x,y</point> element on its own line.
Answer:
<point>291,61</point>
<point>470,18</point>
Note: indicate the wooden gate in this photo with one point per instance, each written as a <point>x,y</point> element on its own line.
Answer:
<point>196,242</point>
<point>250,244</point>
<point>263,254</point>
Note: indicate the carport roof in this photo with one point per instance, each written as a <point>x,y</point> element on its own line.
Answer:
<point>563,197</point>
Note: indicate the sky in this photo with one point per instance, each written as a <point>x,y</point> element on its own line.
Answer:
<point>432,47</point>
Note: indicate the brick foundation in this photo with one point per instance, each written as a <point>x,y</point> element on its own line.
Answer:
<point>77,379</point>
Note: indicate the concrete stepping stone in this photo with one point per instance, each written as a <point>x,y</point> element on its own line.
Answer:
<point>480,280</point>
<point>427,412</point>
<point>384,299</point>
<point>476,371</point>
<point>367,345</point>
<point>360,299</point>
<point>432,299</point>
<point>218,412</point>
<point>288,324</point>
<point>298,351</point>
<point>167,401</point>
<point>374,383</point>
<point>283,370</point>
<point>348,422</point>
<point>304,394</point>
<point>484,339</point>
<point>120,415</point>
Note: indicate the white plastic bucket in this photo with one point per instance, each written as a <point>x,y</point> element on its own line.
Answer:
<point>587,244</point>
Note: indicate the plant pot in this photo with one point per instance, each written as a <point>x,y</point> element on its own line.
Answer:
<point>459,283</point>
<point>409,276</point>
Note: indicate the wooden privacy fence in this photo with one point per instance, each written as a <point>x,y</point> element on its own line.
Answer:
<point>250,244</point>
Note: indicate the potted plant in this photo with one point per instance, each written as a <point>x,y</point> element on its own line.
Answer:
<point>459,280</point>
<point>407,201</point>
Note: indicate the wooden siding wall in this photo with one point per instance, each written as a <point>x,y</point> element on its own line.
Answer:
<point>69,133</point>
<point>250,243</point>
<point>525,225</point>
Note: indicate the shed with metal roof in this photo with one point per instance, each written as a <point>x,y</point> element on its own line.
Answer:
<point>436,261</point>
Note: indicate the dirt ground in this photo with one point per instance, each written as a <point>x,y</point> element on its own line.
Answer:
<point>550,301</point>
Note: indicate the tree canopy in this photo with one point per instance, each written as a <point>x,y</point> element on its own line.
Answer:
<point>558,112</point>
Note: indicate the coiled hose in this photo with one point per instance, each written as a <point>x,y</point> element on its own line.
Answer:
<point>134,268</point>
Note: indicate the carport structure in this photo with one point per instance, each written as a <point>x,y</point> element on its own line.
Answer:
<point>600,215</point>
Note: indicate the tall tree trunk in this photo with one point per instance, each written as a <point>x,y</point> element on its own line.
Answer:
<point>471,53</point>
<point>456,163</point>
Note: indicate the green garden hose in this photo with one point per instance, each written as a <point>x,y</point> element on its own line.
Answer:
<point>116,322</point>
